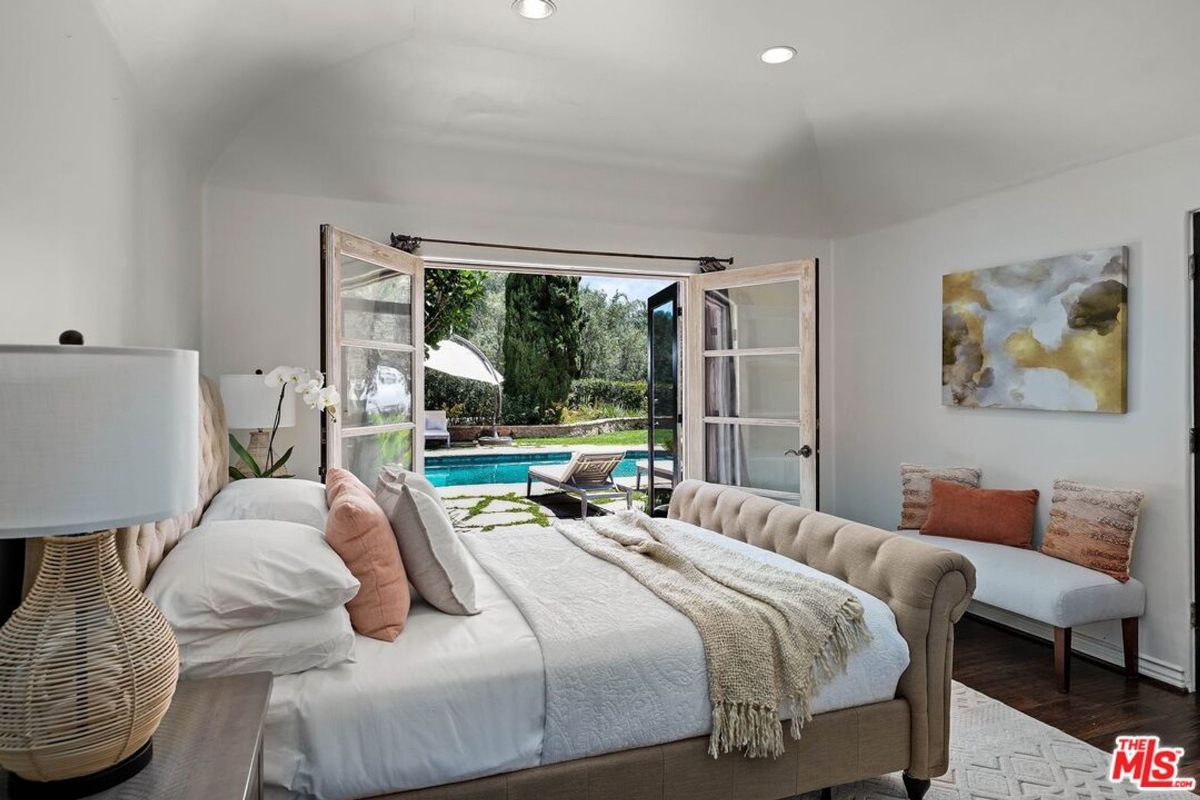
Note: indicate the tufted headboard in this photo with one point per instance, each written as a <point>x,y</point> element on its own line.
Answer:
<point>141,548</point>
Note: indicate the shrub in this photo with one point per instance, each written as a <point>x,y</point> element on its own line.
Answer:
<point>630,395</point>
<point>465,402</point>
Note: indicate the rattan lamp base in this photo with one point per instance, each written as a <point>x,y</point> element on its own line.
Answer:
<point>88,666</point>
<point>84,786</point>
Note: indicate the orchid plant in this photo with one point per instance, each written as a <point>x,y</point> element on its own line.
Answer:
<point>313,392</point>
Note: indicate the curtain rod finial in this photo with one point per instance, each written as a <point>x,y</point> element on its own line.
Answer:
<point>409,244</point>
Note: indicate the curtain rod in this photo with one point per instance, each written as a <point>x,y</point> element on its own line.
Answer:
<point>410,244</point>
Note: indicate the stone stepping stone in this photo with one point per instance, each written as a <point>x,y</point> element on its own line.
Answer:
<point>506,506</point>
<point>498,518</point>
<point>461,502</point>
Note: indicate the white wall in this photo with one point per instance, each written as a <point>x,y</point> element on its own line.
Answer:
<point>262,269</point>
<point>887,329</point>
<point>99,205</point>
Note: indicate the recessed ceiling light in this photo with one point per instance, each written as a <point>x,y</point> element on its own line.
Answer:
<point>778,54</point>
<point>534,9</point>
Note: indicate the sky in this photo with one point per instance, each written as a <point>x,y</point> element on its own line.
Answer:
<point>634,288</point>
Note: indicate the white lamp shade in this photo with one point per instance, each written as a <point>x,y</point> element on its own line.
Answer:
<point>96,437</point>
<point>250,404</point>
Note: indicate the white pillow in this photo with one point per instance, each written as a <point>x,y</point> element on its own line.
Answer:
<point>282,648</point>
<point>245,573</point>
<point>285,499</point>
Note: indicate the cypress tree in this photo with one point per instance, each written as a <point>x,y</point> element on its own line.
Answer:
<point>542,344</point>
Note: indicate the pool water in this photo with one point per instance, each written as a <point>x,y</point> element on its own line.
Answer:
<point>452,470</point>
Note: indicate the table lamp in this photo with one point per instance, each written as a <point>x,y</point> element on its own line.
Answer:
<point>94,438</point>
<point>251,405</point>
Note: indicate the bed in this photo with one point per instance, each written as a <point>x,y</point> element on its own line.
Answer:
<point>481,707</point>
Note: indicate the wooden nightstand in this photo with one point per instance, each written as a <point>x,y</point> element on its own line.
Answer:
<point>209,746</point>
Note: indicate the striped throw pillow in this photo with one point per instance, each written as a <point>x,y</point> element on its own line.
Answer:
<point>1093,527</point>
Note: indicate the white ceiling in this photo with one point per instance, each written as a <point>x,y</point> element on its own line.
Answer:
<point>659,111</point>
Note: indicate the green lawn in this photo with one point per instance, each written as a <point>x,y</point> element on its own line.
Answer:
<point>635,438</point>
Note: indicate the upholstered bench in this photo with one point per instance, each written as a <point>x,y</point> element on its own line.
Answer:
<point>1053,591</point>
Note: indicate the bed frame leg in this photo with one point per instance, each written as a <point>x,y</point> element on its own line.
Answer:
<point>1129,633</point>
<point>1062,659</point>
<point>915,787</point>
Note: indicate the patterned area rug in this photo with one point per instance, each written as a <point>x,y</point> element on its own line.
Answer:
<point>998,752</point>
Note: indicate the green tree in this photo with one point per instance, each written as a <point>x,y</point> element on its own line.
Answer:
<point>451,296</point>
<point>542,343</point>
<point>614,336</point>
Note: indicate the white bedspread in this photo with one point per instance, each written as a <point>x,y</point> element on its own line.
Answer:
<point>459,697</point>
<point>452,698</point>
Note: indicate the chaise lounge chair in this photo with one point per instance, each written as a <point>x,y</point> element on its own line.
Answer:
<point>588,474</point>
<point>436,429</point>
<point>662,469</point>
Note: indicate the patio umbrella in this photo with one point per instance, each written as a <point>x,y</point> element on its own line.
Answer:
<point>459,357</point>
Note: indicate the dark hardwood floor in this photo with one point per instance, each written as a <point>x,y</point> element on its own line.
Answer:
<point>1019,672</point>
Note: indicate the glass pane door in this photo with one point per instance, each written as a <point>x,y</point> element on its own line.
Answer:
<point>373,335</point>
<point>662,311</point>
<point>754,408</point>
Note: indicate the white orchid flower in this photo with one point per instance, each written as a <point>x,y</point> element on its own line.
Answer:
<point>277,377</point>
<point>310,393</point>
<point>329,399</point>
<point>292,376</point>
<point>310,380</point>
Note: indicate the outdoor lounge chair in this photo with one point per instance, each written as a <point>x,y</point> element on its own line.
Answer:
<point>662,469</point>
<point>588,474</point>
<point>436,429</point>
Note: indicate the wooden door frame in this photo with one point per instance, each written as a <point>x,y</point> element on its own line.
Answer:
<point>335,242</point>
<point>693,314</point>
<point>1193,260</point>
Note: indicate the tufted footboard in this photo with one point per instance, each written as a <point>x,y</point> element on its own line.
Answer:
<point>928,589</point>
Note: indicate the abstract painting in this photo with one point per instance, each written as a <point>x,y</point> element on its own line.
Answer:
<point>1047,334</point>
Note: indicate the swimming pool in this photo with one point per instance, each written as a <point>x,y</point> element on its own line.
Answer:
<point>455,470</point>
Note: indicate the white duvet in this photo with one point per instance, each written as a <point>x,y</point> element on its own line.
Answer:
<point>455,698</point>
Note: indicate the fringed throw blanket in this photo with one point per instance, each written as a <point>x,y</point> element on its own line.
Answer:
<point>768,637</point>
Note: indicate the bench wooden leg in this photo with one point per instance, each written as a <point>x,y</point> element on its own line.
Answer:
<point>827,793</point>
<point>1129,635</point>
<point>915,788</point>
<point>1062,659</point>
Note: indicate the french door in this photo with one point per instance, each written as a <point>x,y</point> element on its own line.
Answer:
<point>373,349</point>
<point>662,390</point>
<point>752,380</point>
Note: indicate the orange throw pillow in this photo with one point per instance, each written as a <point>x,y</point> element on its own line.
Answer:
<point>999,516</point>
<point>359,532</point>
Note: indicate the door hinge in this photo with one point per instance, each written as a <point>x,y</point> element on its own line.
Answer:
<point>1192,440</point>
<point>1193,614</point>
<point>1192,267</point>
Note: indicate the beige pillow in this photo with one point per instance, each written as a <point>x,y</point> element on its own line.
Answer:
<point>915,480</point>
<point>1093,527</point>
<point>403,477</point>
<point>436,562</point>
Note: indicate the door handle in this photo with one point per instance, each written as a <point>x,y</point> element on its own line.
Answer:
<point>803,452</point>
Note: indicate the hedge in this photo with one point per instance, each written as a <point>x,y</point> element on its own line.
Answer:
<point>629,395</point>
<point>465,402</point>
